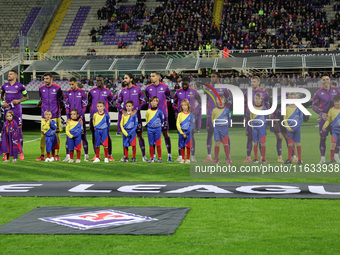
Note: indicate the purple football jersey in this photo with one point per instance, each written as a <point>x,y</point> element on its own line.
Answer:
<point>135,94</point>
<point>265,99</point>
<point>14,92</point>
<point>323,99</point>
<point>190,94</point>
<point>161,91</point>
<point>96,95</point>
<point>52,98</point>
<point>210,101</point>
<point>75,99</point>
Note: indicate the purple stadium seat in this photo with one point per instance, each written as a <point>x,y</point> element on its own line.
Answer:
<point>27,24</point>
<point>76,26</point>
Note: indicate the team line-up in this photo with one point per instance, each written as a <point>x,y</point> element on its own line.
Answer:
<point>187,101</point>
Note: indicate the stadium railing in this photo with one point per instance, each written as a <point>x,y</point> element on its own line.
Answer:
<point>215,53</point>
<point>40,25</point>
<point>219,53</point>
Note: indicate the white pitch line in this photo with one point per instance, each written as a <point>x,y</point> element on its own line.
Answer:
<point>32,140</point>
<point>38,139</point>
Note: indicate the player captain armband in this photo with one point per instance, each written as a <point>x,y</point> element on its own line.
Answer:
<point>24,92</point>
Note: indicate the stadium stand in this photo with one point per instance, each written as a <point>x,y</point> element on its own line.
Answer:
<point>178,25</point>
<point>123,18</point>
<point>242,26</point>
<point>248,25</point>
<point>27,25</point>
<point>57,47</point>
<point>83,42</point>
<point>76,26</point>
<point>11,24</point>
<point>54,27</point>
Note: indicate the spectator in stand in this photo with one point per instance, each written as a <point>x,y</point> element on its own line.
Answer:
<point>125,45</point>
<point>113,30</point>
<point>83,80</point>
<point>108,83</point>
<point>93,32</point>
<point>98,39</point>
<point>94,39</point>
<point>177,86</point>
<point>120,44</point>
<point>126,28</point>
<point>139,84</point>
<point>99,14</point>
<point>90,82</point>
<point>120,18</point>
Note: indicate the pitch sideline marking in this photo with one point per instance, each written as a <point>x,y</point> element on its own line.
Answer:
<point>39,139</point>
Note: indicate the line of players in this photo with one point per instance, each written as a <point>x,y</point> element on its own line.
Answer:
<point>52,99</point>
<point>325,104</point>
<point>76,99</point>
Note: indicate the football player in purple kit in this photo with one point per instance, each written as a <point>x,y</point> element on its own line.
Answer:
<point>136,95</point>
<point>162,92</point>
<point>255,84</point>
<point>52,98</point>
<point>76,99</point>
<point>100,93</point>
<point>186,92</point>
<point>11,97</point>
<point>323,101</point>
<point>215,78</point>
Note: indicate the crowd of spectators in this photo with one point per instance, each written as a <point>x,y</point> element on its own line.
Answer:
<point>337,7</point>
<point>183,25</point>
<point>246,24</point>
<point>119,19</point>
<point>91,52</point>
<point>335,24</point>
<point>178,25</point>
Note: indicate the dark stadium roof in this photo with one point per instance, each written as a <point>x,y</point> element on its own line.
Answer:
<point>165,64</point>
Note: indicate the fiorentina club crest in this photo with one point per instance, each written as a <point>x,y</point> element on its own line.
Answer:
<point>98,219</point>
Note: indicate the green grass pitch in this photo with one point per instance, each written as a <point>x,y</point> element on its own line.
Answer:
<point>212,226</point>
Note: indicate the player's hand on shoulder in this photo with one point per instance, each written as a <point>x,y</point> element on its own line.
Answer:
<point>324,116</point>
